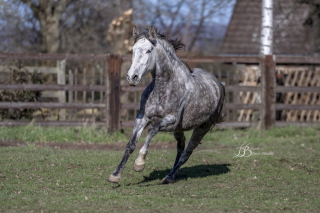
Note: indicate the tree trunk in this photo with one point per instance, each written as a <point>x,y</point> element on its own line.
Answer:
<point>50,33</point>
<point>49,12</point>
<point>266,27</point>
<point>267,66</point>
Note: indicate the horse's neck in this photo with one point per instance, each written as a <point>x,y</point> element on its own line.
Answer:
<point>166,66</point>
<point>164,71</point>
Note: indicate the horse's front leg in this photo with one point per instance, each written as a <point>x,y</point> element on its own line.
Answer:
<point>153,130</point>
<point>139,126</point>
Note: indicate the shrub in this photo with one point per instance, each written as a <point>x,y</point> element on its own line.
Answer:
<point>20,75</point>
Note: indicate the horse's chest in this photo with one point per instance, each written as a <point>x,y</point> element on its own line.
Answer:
<point>161,105</point>
<point>154,108</point>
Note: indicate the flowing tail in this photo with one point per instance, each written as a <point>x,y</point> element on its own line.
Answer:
<point>220,115</point>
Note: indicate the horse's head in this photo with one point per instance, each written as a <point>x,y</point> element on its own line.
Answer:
<point>143,56</point>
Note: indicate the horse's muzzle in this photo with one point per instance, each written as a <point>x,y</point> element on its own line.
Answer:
<point>134,80</point>
<point>133,83</point>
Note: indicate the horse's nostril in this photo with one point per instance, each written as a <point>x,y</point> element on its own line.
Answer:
<point>135,78</point>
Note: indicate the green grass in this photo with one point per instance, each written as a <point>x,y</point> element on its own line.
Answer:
<point>33,133</point>
<point>213,180</point>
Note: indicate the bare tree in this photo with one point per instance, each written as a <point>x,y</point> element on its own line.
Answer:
<point>78,26</point>
<point>186,19</point>
<point>207,10</point>
<point>51,26</point>
<point>18,32</point>
<point>49,14</point>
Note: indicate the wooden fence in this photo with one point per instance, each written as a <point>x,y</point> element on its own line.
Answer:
<point>118,103</point>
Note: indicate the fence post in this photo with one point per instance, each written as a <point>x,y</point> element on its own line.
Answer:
<point>70,95</point>
<point>61,78</point>
<point>113,93</point>
<point>268,96</point>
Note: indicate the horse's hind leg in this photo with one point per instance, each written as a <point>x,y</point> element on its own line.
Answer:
<point>197,135</point>
<point>181,141</point>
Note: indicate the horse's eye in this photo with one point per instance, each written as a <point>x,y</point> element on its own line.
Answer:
<point>148,51</point>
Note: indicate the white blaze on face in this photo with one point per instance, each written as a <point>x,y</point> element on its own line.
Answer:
<point>143,60</point>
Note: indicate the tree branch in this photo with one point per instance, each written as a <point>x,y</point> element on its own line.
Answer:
<point>202,18</point>
<point>174,16</point>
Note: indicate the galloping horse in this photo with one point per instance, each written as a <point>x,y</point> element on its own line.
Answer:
<point>178,99</point>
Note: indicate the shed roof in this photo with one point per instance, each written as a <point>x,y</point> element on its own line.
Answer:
<point>291,35</point>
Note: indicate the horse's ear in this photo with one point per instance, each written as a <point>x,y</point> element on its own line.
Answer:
<point>135,31</point>
<point>152,33</point>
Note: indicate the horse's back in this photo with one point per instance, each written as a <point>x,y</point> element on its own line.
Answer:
<point>204,77</point>
<point>197,72</point>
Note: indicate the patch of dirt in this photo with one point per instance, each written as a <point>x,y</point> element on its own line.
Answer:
<point>86,146</point>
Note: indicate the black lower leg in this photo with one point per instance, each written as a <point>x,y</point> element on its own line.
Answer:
<point>129,149</point>
<point>195,140</point>
<point>181,140</point>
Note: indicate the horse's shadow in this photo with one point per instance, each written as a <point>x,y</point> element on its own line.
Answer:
<point>198,171</point>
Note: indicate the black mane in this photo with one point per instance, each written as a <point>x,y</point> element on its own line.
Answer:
<point>176,43</point>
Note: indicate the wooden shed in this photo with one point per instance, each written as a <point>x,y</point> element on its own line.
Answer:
<point>296,28</point>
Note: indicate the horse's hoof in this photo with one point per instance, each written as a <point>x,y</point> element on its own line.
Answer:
<point>166,180</point>
<point>113,179</point>
<point>138,168</point>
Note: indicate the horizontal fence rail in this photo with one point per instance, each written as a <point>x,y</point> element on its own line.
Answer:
<point>52,87</point>
<point>227,106</point>
<point>51,123</point>
<point>39,56</point>
<point>38,105</point>
<point>244,59</point>
<point>243,124</point>
<point>297,89</point>
<point>297,107</point>
<point>126,124</point>
<point>249,106</point>
<point>204,59</point>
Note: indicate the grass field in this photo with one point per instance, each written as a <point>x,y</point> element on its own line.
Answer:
<point>282,174</point>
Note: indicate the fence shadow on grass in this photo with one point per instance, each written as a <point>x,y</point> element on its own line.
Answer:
<point>198,171</point>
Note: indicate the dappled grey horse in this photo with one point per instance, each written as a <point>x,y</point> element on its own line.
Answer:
<point>178,99</point>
